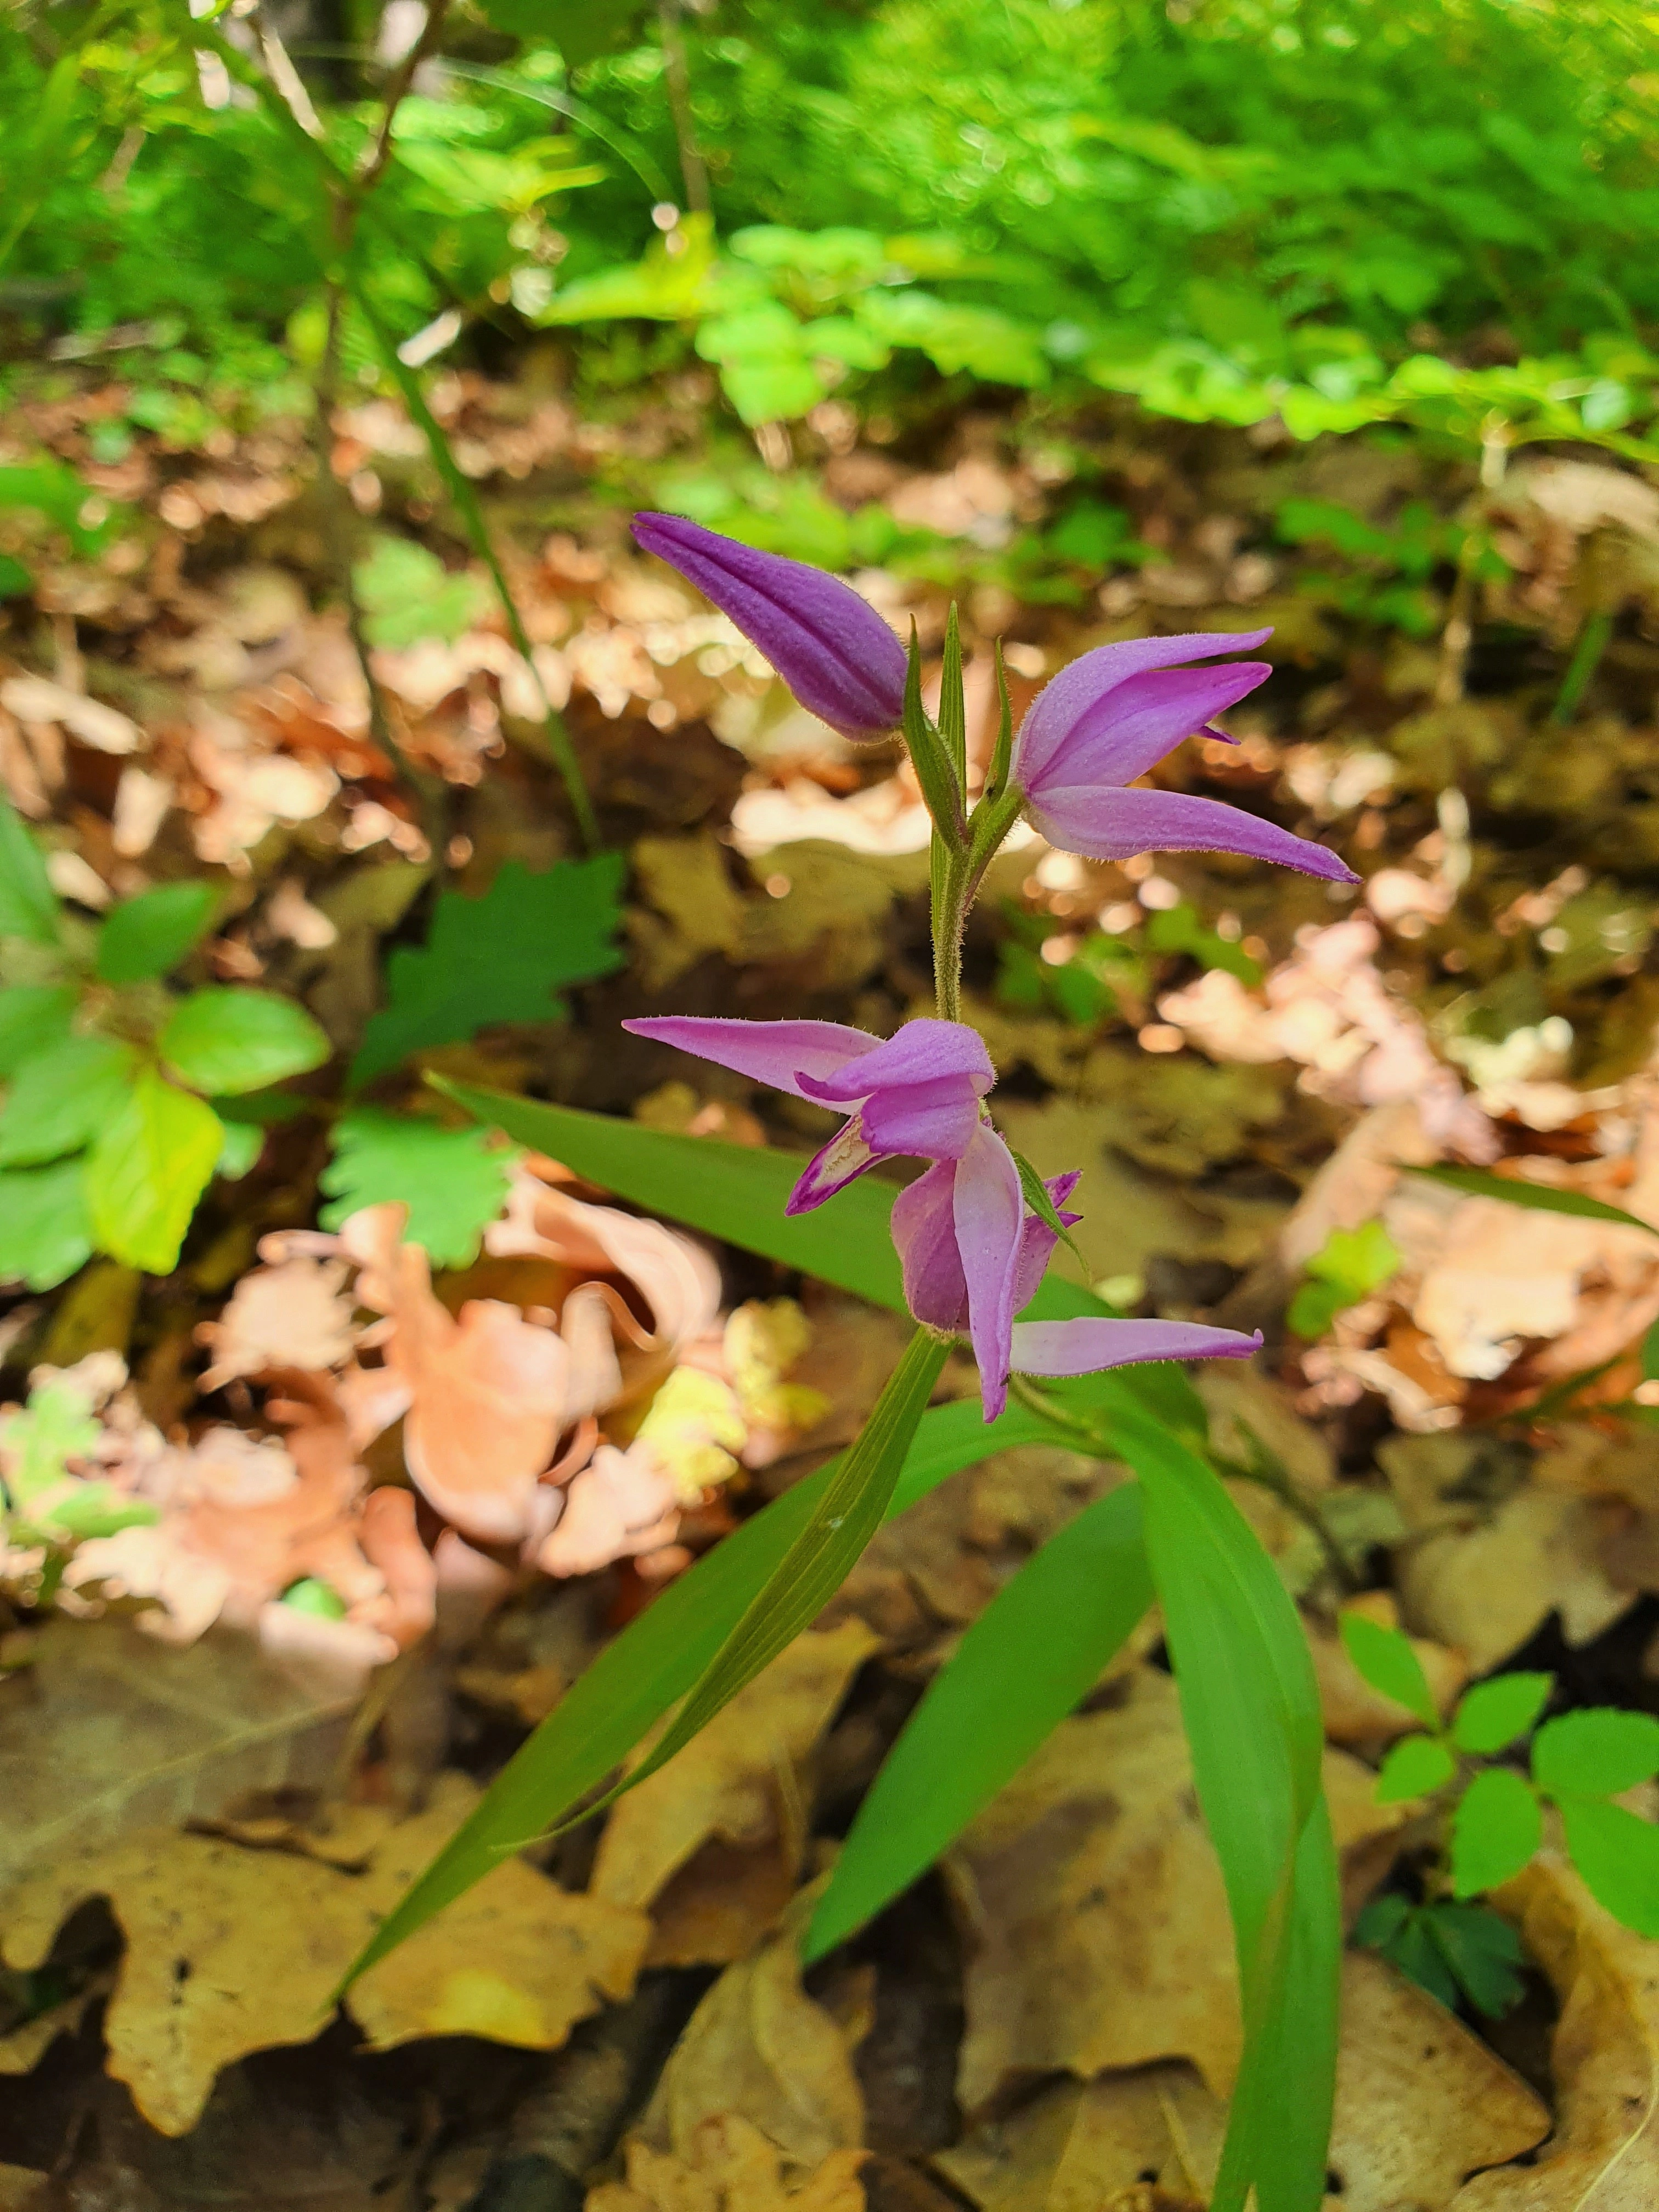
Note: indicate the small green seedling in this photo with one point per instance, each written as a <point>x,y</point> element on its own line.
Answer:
<point>1348,1267</point>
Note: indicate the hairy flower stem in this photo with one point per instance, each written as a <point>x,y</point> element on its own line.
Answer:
<point>952,896</point>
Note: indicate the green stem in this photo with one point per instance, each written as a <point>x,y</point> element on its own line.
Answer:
<point>1587,654</point>
<point>951,900</point>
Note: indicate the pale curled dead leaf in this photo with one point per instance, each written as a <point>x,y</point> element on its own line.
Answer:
<point>729,2167</point>
<point>1604,2155</point>
<point>757,2045</point>
<point>1420,2102</point>
<point>1094,1903</point>
<point>230,1950</point>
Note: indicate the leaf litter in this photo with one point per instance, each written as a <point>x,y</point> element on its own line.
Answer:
<point>1243,1074</point>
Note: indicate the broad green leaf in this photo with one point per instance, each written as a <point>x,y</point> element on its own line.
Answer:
<point>658,1658</point>
<point>1495,1713</point>
<point>1251,1707</point>
<point>244,1141</point>
<point>1618,1855</point>
<point>149,1165</point>
<point>29,905</point>
<point>1495,1831</point>
<point>1543,1197</point>
<point>452,1181</point>
<point>230,1039</point>
<point>32,1017</point>
<point>407,594</point>
<point>1037,1648</point>
<point>45,1232</point>
<point>1595,1754</point>
<point>1387,1660</point>
<point>150,934</point>
<point>501,957</point>
<point>738,1192</point>
<point>1414,1768</point>
<point>61,1099</point>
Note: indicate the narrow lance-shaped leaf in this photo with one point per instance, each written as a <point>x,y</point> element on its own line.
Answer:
<point>658,1658</point>
<point>1251,1707</point>
<point>1540,1197</point>
<point>1034,1652</point>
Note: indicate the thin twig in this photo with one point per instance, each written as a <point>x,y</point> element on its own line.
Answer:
<point>373,166</point>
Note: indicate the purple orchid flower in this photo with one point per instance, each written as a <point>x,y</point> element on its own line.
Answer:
<point>1112,715</point>
<point>915,1093</point>
<point>836,653</point>
<point>972,1254</point>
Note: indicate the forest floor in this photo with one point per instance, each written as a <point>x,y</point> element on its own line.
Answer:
<point>1448,1427</point>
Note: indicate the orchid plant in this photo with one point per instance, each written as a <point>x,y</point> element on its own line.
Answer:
<point>964,1248</point>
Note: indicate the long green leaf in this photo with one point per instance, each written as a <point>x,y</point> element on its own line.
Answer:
<point>1541,1197</point>
<point>1251,1708</point>
<point>738,1192</point>
<point>660,1655</point>
<point>1034,1652</point>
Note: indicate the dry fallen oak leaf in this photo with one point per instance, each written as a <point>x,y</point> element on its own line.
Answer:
<point>230,1950</point>
<point>729,2167</point>
<point>1420,2102</point>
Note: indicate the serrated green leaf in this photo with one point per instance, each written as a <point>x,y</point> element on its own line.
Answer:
<point>1595,1752</point>
<point>149,935</point>
<point>452,1181</point>
<point>1483,1952</point>
<point>1617,1853</point>
<point>658,1658</point>
<point>1495,1713</point>
<point>150,1164</point>
<point>1250,1703</point>
<point>1496,1829</point>
<point>34,1017</point>
<point>1540,1197</point>
<point>229,1039</point>
<point>1386,1660</point>
<point>1419,1958</point>
<point>1034,1652</point>
<point>44,1231</point>
<point>29,905</point>
<point>500,957</point>
<point>60,1099</point>
<point>1415,1767</point>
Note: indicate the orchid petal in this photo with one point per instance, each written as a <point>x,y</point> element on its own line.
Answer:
<point>1138,720</point>
<point>832,1167</point>
<point>834,651</point>
<point>920,1052</point>
<point>930,1121</point>
<point>1057,708</point>
<point>989,1206</point>
<point>1085,1347</point>
<point>1037,1240</point>
<point>1108,824</point>
<point>778,1052</point>
<point>925,1235</point>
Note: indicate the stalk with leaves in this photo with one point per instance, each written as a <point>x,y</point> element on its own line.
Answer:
<point>964,1249</point>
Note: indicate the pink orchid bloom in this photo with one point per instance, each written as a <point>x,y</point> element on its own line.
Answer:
<point>915,1094</point>
<point>972,1254</point>
<point>1113,715</point>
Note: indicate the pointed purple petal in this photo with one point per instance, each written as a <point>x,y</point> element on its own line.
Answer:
<point>919,1053</point>
<point>778,1052</point>
<point>924,1234</point>
<point>836,653</point>
<point>1140,720</point>
<point>1037,1240</point>
<point>1105,824</point>
<point>1084,1347</point>
<point>832,1167</point>
<point>988,1204</point>
<point>928,1121</point>
<point>1055,711</point>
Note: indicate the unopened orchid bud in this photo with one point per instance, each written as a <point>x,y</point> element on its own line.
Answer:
<point>836,653</point>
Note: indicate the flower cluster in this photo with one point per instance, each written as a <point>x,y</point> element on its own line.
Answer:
<point>974,1233</point>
